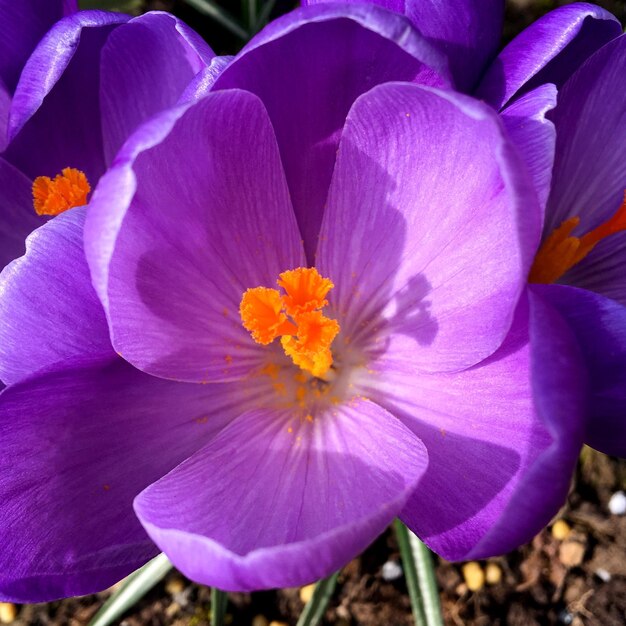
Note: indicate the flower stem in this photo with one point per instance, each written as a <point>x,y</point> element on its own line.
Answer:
<point>219,601</point>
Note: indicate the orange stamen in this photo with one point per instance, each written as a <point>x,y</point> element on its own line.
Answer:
<point>310,350</point>
<point>306,290</point>
<point>306,339</point>
<point>261,314</point>
<point>560,251</point>
<point>66,190</point>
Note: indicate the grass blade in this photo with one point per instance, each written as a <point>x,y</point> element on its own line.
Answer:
<point>420,577</point>
<point>316,606</point>
<point>125,6</point>
<point>219,601</point>
<point>264,15</point>
<point>210,8</point>
<point>251,14</point>
<point>133,588</point>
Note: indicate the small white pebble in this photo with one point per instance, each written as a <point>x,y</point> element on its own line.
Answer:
<point>391,570</point>
<point>617,503</point>
<point>603,575</point>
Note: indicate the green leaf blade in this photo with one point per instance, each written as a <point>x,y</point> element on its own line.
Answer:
<point>316,607</point>
<point>132,589</point>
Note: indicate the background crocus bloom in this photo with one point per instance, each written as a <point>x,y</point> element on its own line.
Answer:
<point>588,187</point>
<point>432,410</point>
<point>92,79</point>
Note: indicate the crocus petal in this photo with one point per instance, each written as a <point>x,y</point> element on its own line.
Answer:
<point>287,501</point>
<point>430,227</point>
<point>548,51</point>
<point>195,212</point>
<point>203,82</point>
<point>17,217</point>
<point>163,63</point>
<point>308,67</point>
<point>600,327</point>
<point>503,437</point>
<point>466,31</point>
<point>534,135</point>
<point>5,106</point>
<point>49,312</point>
<point>77,446</point>
<point>22,25</point>
<point>55,116</point>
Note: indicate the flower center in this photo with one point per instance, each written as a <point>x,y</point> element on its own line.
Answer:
<point>66,190</point>
<point>295,316</point>
<point>560,252</point>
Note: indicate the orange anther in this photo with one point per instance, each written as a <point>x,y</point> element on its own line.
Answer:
<point>310,350</point>
<point>560,251</point>
<point>305,289</point>
<point>66,190</point>
<point>261,314</point>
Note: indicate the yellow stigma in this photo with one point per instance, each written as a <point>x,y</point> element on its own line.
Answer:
<point>560,251</point>
<point>306,337</point>
<point>66,190</point>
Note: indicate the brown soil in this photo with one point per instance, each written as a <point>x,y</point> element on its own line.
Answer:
<point>579,580</point>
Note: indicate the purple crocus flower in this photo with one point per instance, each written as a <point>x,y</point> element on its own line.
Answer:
<point>249,468</point>
<point>22,25</point>
<point>91,80</point>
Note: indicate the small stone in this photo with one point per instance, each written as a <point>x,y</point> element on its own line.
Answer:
<point>175,586</point>
<point>172,609</point>
<point>571,553</point>
<point>603,574</point>
<point>260,620</point>
<point>565,617</point>
<point>560,530</point>
<point>617,503</point>
<point>8,612</point>
<point>306,593</point>
<point>493,574</point>
<point>391,570</point>
<point>473,575</point>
